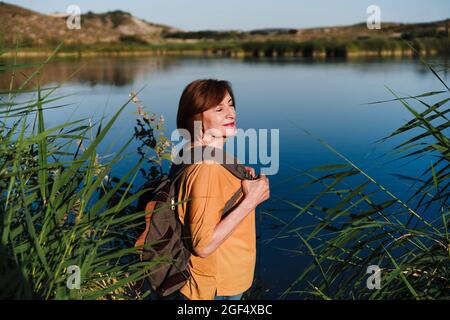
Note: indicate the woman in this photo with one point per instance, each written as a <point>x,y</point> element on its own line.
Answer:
<point>223,247</point>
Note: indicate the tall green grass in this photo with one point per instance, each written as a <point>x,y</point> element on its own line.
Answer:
<point>266,48</point>
<point>354,221</point>
<point>60,204</point>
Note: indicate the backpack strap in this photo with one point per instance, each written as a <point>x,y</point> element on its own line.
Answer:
<point>227,161</point>
<point>238,170</point>
<point>231,202</point>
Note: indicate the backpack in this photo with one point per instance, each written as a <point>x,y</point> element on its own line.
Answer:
<point>163,235</point>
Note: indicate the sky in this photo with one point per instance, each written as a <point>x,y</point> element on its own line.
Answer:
<point>254,14</point>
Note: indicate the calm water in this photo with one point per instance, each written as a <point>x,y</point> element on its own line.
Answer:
<point>325,98</point>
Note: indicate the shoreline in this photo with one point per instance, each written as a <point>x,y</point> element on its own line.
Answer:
<point>214,53</point>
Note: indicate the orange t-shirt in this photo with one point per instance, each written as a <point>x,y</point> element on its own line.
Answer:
<point>230,268</point>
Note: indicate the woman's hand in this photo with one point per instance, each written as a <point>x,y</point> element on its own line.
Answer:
<point>256,191</point>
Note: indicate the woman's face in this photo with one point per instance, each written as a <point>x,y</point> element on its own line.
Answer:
<point>222,118</point>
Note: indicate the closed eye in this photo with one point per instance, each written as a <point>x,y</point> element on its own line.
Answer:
<point>220,107</point>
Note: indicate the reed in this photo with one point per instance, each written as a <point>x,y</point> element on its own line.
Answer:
<point>60,204</point>
<point>354,221</point>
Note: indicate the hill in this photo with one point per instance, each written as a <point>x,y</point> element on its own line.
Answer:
<point>119,31</point>
<point>36,29</point>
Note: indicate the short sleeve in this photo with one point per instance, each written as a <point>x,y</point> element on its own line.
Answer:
<point>204,208</point>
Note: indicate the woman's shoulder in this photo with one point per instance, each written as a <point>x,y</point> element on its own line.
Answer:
<point>205,169</point>
<point>203,178</point>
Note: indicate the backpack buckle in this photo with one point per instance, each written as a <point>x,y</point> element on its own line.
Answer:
<point>172,202</point>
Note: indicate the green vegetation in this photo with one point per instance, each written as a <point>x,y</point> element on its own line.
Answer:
<point>269,48</point>
<point>343,48</point>
<point>60,204</point>
<point>132,40</point>
<point>205,34</point>
<point>355,222</point>
<point>116,17</point>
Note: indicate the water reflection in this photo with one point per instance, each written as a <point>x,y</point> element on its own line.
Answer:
<point>121,71</point>
<point>116,71</point>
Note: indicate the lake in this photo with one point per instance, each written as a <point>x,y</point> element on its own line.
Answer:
<point>327,98</point>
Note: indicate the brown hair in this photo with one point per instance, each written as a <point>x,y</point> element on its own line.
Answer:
<point>199,96</point>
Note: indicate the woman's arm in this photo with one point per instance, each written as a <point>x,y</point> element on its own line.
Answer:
<point>255,192</point>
